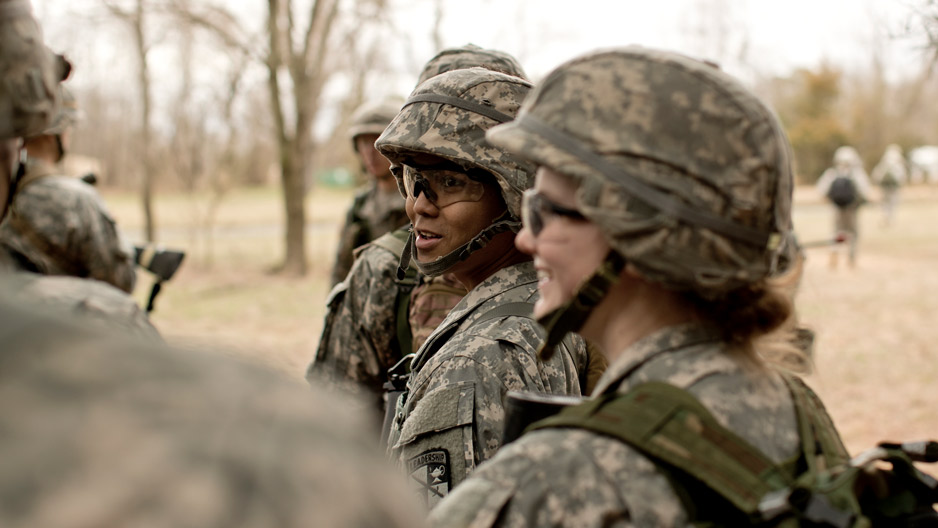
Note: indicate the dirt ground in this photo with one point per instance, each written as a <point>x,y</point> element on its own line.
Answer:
<point>876,352</point>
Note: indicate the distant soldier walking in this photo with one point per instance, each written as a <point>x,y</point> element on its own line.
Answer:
<point>846,187</point>
<point>890,174</point>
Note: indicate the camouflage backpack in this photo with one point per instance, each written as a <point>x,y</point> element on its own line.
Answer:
<point>723,481</point>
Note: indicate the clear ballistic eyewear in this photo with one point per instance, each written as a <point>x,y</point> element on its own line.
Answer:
<point>442,186</point>
<point>537,209</point>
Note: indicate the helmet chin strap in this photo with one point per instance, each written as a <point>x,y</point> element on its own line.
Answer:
<point>571,316</point>
<point>439,266</point>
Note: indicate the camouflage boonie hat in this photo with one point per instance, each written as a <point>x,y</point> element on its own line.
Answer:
<point>686,172</point>
<point>447,116</point>
<point>29,72</point>
<point>372,117</point>
<point>470,56</point>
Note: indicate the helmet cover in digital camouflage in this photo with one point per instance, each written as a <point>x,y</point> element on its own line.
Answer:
<point>686,172</point>
<point>372,117</point>
<point>447,116</point>
<point>470,56</point>
<point>29,72</point>
<point>442,118</point>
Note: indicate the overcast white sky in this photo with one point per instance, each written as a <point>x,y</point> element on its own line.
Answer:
<point>749,38</point>
<point>778,35</point>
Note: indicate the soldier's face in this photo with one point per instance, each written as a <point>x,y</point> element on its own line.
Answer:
<point>9,150</point>
<point>567,249</point>
<point>440,230</point>
<point>377,165</point>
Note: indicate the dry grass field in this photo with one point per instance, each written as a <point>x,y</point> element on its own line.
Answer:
<point>876,354</point>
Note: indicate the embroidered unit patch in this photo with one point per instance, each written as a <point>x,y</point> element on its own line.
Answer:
<point>430,475</point>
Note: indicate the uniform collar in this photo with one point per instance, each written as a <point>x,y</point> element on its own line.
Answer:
<point>662,341</point>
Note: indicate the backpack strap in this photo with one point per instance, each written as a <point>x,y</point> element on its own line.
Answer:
<point>669,425</point>
<point>820,443</point>
<point>394,242</point>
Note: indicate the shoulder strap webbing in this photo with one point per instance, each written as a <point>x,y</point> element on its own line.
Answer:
<point>670,425</point>
<point>820,443</point>
<point>393,241</point>
<point>404,336</point>
<point>517,309</point>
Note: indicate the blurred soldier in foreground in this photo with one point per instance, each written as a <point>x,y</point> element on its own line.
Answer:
<point>846,187</point>
<point>31,74</point>
<point>378,209</point>
<point>890,174</point>
<point>104,432</point>
<point>376,318</point>
<point>59,225</point>
<point>463,199</point>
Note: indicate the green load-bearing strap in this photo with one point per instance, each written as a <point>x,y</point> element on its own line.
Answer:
<point>669,424</point>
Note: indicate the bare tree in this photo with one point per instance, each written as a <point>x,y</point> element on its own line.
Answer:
<point>296,60</point>
<point>136,20</point>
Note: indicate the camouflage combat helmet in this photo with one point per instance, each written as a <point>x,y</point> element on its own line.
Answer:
<point>470,56</point>
<point>66,114</point>
<point>372,117</point>
<point>30,72</point>
<point>447,116</point>
<point>686,173</point>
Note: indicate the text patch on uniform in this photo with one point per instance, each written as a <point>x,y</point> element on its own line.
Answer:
<point>430,475</point>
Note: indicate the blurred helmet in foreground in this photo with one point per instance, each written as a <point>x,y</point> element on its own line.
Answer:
<point>29,71</point>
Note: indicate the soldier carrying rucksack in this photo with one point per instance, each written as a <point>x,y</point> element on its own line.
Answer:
<point>846,187</point>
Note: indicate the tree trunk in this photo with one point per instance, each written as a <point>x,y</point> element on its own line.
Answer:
<point>144,80</point>
<point>294,262</point>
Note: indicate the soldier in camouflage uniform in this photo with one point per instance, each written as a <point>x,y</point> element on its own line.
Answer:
<point>378,209</point>
<point>58,225</point>
<point>661,209</point>
<point>31,75</point>
<point>463,198</point>
<point>364,333</point>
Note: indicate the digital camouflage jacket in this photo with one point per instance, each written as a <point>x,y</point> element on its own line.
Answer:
<point>59,225</point>
<point>452,417</point>
<point>357,345</point>
<point>362,331</point>
<point>548,477</point>
<point>372,214</point>
<point>84,302</point>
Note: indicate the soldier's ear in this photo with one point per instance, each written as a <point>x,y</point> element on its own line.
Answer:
<point>63,68</point>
